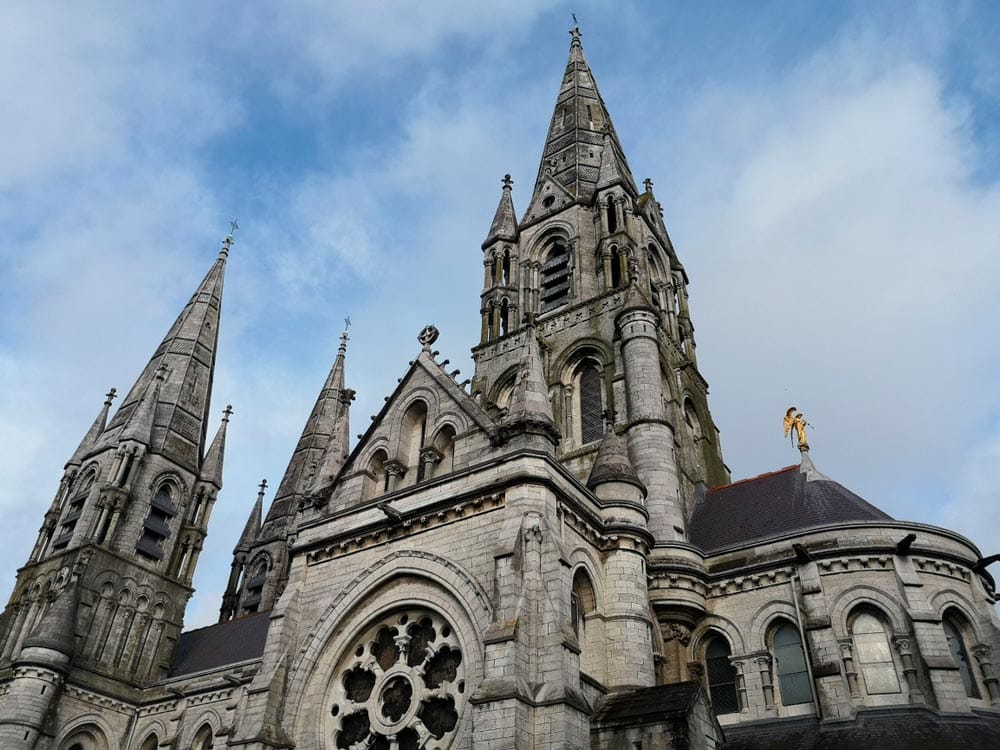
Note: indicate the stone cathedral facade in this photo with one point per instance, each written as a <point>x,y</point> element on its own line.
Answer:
<point>551,555</point>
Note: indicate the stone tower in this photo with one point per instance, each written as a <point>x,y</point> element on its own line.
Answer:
<point>101,599</point>
<point>591,266</point>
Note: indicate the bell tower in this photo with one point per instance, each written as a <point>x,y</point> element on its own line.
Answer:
<point>101,599</point>
<point>591,269</point>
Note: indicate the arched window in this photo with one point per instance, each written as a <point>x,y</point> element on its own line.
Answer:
<point>504,317</point>
<point>583,607</point>
<point>74,510</point>
<point>555,276</point>
<point>255,586</point>
<point>444,443</point>
<point>504,393</point>
<point>204,739</point>
<point>156,527</point>
<point>790,661</point>
<point>721,676</point>
<point>377,481</point>
<point>506,266</point>
<point>874,654</point>
<point>591,403</point>
<point>953,627</point>
<point>411,440</point>
<point>691,417</point>
<point>150,743</point>
<point>612,215</point>
<point>616,268</point>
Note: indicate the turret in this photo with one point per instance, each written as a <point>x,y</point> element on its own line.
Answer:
<point>500,261</point>
<point>237,571</point>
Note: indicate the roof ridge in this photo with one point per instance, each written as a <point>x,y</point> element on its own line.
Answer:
<point>752,479</point>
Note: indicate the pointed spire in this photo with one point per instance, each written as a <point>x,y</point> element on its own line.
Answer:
<point>140,424</point>
<point>530,409</point>
<point>94,433</point>
<point>612,463</point>
<point>188,353</point>
<point>504,226</point>
<point>56,629</point>
<point>575,145</point>
<point>211,467</point>
<point>252,528</point>
<point>305,462</point>
<point>339,446</point>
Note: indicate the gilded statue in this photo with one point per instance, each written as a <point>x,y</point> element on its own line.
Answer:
<point>795,421</point>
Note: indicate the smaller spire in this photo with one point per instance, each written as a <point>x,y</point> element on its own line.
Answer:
<point>612,463</point>
<point>211,466</point>
<point>530,410</point>
<point>140,423</point>
<point>504,226</point>
<point>94,433</point>
<point>252,528</point>
<point>56,630</point>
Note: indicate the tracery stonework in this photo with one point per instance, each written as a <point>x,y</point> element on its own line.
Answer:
<point>400,685</point>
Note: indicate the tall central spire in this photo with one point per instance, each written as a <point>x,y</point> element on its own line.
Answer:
<point>186,360</point>
<point>576,139</point>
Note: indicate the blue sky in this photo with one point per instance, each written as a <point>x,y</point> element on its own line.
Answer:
<point>829,172</point>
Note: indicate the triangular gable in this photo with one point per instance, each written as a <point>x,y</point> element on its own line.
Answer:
<point>541,206</point>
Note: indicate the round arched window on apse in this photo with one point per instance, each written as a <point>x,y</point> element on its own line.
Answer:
<point>400,685</point>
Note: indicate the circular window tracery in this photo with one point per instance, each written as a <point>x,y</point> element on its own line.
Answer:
<point>400,687</point>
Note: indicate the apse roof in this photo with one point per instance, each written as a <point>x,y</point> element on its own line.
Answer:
<point>792,499</point>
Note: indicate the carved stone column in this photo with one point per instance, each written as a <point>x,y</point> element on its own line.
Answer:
<point>984,656</point>
<point>847,658</point>
<point>429,458</point>
<point>393,472</point>
<point>904,647</point>
<point>763,664</point>
<point>741,682</point>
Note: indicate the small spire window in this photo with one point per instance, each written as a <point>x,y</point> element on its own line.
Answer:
<point>612,215</point>
<point>555,281</point>
<point>156,527</point>
<point>591,404</point>
<point>74,510</point>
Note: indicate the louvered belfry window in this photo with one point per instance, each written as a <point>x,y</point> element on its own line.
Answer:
<point>555,277</point>
<point>591,404</point>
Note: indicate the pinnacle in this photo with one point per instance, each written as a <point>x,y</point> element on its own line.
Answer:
<point>504,226</point>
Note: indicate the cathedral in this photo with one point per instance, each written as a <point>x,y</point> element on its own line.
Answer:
<point>551,554</point>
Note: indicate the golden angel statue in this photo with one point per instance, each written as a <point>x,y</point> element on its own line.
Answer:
<point>795,421</point>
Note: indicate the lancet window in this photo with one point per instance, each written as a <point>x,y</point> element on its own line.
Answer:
<point>874,654</point>
<point>721,676</point>
<point>555,280</point>
<point>790,660</point>
<point>953,626</point>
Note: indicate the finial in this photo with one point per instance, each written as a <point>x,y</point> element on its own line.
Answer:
<point>795,421</point>
<point>227,413</point>
<point>344,337</point>
<point>648,183</point>
<point>261,487</point>
<point>507,182</point>
<point>110,396</point>
<point>428,336</point>
<point>575,32</point>
<point>228,242</point>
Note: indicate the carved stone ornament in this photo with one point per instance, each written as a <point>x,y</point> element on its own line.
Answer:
<point>428,336</point>
<point>400,685</point>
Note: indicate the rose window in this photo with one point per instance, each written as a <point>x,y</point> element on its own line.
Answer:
<point>400,687</point>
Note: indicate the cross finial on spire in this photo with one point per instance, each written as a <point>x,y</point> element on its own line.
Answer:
<point>507,182</point>
<point>110,396</point>
<point>228,242</point>
<point>648,184</point>
<point>233,226</point>
<point>344,337</point>
<point>261,488</point>
<point>575,32</point>
<point>227,412</point>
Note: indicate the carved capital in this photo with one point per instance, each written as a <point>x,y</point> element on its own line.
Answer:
<point>394,469</point>
<point>983,653</point>
<point>902,644</point>
<point>430,456</point>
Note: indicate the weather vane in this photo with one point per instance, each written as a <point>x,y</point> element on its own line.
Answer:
<point>575,22</point>
<point>233,226</point>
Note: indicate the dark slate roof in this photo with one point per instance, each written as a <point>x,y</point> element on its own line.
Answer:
<point>664,701</point>
<point>873,729</point>
<point>230,642</point>
<point>792,499</point>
